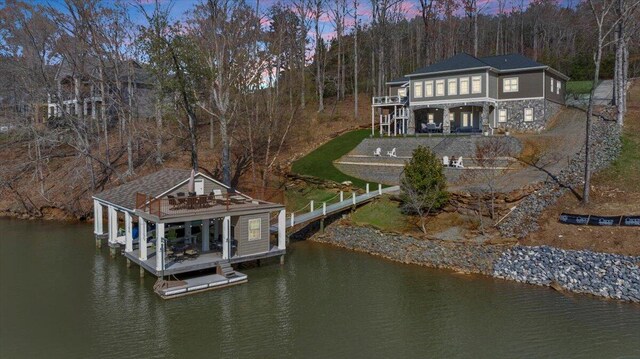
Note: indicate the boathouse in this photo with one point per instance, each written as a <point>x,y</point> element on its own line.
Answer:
<point>179,221</point>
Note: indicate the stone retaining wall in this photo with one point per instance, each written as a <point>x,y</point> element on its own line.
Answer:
<point>601,274</point>
<point>606,146</point>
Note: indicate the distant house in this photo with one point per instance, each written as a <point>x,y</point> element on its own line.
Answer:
<point>78,91</point>
<point>465,94</point>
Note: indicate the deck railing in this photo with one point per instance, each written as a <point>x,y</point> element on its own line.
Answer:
<point>389,100</point>
<point>162,207</point>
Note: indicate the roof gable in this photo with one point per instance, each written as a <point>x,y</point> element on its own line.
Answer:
<point>154,184</point>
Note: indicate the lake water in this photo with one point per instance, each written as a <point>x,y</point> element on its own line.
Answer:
<point>62,297</point>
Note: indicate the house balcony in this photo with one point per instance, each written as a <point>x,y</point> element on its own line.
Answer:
<point>389,100</point>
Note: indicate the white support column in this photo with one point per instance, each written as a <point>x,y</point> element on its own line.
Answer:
<point>226,241</point>
<point>206,227</point>
<point>381,130</point>
<point>128,232</point>
<point>282,229</point>
<point>113,224</point>
<point>97,218</point>
<point>373,122</point>
<point>159,246</point>
<point>142,236</point>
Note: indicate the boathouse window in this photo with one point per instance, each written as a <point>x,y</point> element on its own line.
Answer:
<point>528,114</point>
<point>476,84</point>
<point>510,84</point>
<point>502,115</point>
<point>428,88</point>
<point>558,87</point>
<point>453,86</point>
<point>417,89</point>
<point>551,85</point>
<point>254,229</point>
<point>464,85</point>
<point>439,87</point>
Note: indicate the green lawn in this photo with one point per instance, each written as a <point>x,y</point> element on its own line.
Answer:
<point>624,172</point>
<point>383,214</point>
<point>579,87</point>
<point>297,198</point>
<point>319,163</point>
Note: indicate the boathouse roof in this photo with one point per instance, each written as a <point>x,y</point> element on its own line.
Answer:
<point>153,184</point>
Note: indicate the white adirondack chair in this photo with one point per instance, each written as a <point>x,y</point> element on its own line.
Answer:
<point>392,153</point>
<point>458,163</point>
<point>377,152</point>
<point>445,161</point>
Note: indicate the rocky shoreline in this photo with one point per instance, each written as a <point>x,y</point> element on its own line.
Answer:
<point>600,274</point>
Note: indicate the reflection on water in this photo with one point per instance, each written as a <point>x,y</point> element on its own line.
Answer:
<point>60,297</point>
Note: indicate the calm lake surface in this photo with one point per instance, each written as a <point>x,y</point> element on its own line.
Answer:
<point>62,297</point>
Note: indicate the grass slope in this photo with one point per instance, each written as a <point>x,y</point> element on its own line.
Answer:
<point>319,163</point>
<point>579,87</point>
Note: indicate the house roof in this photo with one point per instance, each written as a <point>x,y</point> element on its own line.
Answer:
<point>500,63</point>
<point>399,80</point>
<point>510,62</point>
<point>153,184</point>
<point>455,63</point>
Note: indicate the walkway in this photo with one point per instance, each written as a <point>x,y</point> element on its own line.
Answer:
<point>329,209</point>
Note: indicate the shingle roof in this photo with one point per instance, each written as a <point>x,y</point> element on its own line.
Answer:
<point>399,80</point>
<point>153,184</point>
<point>510,62</point>
<point>458,62</point>
<point>464,61</point>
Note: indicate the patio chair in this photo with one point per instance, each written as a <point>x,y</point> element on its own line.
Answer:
<point>438,127</point>
<point>445,161</point>
<point>458,163</point>
<point>392,153</point>
<point>423,127</point>
<point>191,253</point>
<point>377,152</point>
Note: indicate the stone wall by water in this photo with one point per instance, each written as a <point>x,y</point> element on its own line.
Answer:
<point>463,256</point>
<point>601,274</point>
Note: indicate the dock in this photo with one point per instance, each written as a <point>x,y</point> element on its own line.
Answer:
<point>176,289</point>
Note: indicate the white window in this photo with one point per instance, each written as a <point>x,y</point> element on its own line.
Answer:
<point>476,84</point>
<point>464,85</point>
<point>255,232</point>
<point>551,85</point>
<point>402,92</point>
<point>430,118</point>
<point>417,89</point>
<point>558,87</point>
<point>502,115</point>
<point>528,114</point>
<point>439,87</point>
<point>510,84</point>
<point>452,86</point>
<point>428,88</point>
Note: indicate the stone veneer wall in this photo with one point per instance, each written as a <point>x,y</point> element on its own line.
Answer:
<point>543,110</point>
<point>600,274</point>
<point>605,141</point>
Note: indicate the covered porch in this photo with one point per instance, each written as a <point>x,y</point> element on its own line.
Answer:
<point>391,114</point>
<point>464,118</point>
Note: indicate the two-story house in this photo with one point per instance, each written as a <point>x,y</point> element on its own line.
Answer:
<point>465,94</point>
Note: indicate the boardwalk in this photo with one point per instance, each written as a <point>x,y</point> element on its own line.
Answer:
<point>334,208</point>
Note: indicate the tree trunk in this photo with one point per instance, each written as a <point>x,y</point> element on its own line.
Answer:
<point>587,159</point>
<point>226,161</point>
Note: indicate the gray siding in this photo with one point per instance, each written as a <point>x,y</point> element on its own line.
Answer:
<point>493,85</point>
<point>529,85</point>
<point>554,96</point>
<point>241,233</point>
<point>446,77</point>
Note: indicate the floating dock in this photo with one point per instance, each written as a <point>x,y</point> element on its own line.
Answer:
<point>180,288</point>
